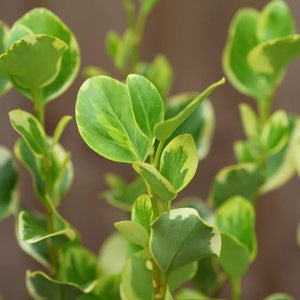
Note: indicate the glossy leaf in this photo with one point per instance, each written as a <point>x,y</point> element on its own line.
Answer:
<point>33,61</point>
<point>249,121</point>
<point>60,129</point>
<point>142,212</point>
<point>113,254</point>
<point>8,184</point>
<point>106,123</point>
<point>30,129</point>
<point>133,232</point>
<point>43,21</point>
<point>279,296</point>
<point>148,5</point>
<point>236,217</point>
<point>136,278</point>
<point>179,161</point>
<point>164,129</point>
<point>273,56</point>
<point>147,105</point>
<point>158,183</point>
<point>5,84</point>
<point>61,171</point>
<point>179,237</point>
<point>200,124</point>
<point>242,39</point>
<point>77,265</point>
<point>238,180</point>
<point>275,21</point>
<point>159,72</point>
<point>40,286</point>
<point>181,275</point>
<point>121,194</point>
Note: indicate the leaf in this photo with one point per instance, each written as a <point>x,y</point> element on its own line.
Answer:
<point>133,232</point>
<point>108,287</point>
<point>17,32</point>
<point>189,294</point>
<point>279,296</point>
<point>5,84</point>
<point>92,71</point>
<point>60,129</point>
<point>208,278</point>
<point>148,5</point>
<point>181,275</point>
<point>61,171</point>
<point>43,21</point>
<point>179,161</point>
<point>275,21</point>
<point>121,194</point>
<point>8,184</point>
<point>147,105</point>
<point>136,278</point>
<point>200,124</point>
<point>77,265</point>
<point>272,57</point>
<point>241,40</point>
<point>112,255</point>
<point>159,72</point>
<point>236,217</point>
<point>237,180</point>
<point>112,44</point>
<point>124,50</point>
<point>158,183</point>
<point>275,133</point>
<point>33,61</point>
<point>30,129</point>
<point>179,237</point>
<point>106,123</point>
<point>142,211</point>
<point>234,257</point>
<point>249,121</point>
<point>164,129</point>
<point>247,152</point>
<point>40,286</point>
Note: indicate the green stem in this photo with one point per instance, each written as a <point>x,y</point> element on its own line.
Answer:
<point>236,288</point>
<point>38,106</point>
<point>158,153</point>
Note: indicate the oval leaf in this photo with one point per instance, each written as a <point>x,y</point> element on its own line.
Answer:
<point>106,123</point>
<point>142,211</point>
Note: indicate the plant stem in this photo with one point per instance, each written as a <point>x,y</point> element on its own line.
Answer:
<point>158,153</point>
<point>236,288</point>
<point>38,106</point>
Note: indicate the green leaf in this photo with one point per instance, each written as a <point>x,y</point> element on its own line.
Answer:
<point>272,57</point>
<point>133,232</point>
<point>121,194</point>
<point>40,286</point>
<point>112,254</point>
<point>238,180</point>
<point>33,61</point>
<point>108,287</point>
<point>77,265</point>
<point>179,161</point>
<point>249,121</point>
<point>148,5</point>
<point>279,296</point>
<point>8,184</point>
<point>179,237</point>
<point>30,129</point>
<point>61,171</point>
<point>5,84</point>
<point>200,124</point>
<point>106,123</point>
<point>17,32</point>
<point>275,133</point>
<point>43,21</point>
<point>208,278</point>
<point>236,217</point>
<point>159,72</point>
<point>158,183</point>
<point>124,50</point>
<point>60,129</point>
<point>164,129</point>
<point>181,275</point>
<point>247,152</point>
<point>142,211</point>
<point>189,294</point>
<point>136,278</point>
<point>92,71</point>
<point>241,40</point>
<point>147,105</point>
<point>234,257</point>
<point>112,44</point>
<point>275,21</point>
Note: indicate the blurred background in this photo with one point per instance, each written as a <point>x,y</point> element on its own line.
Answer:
<point>192,34</point>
